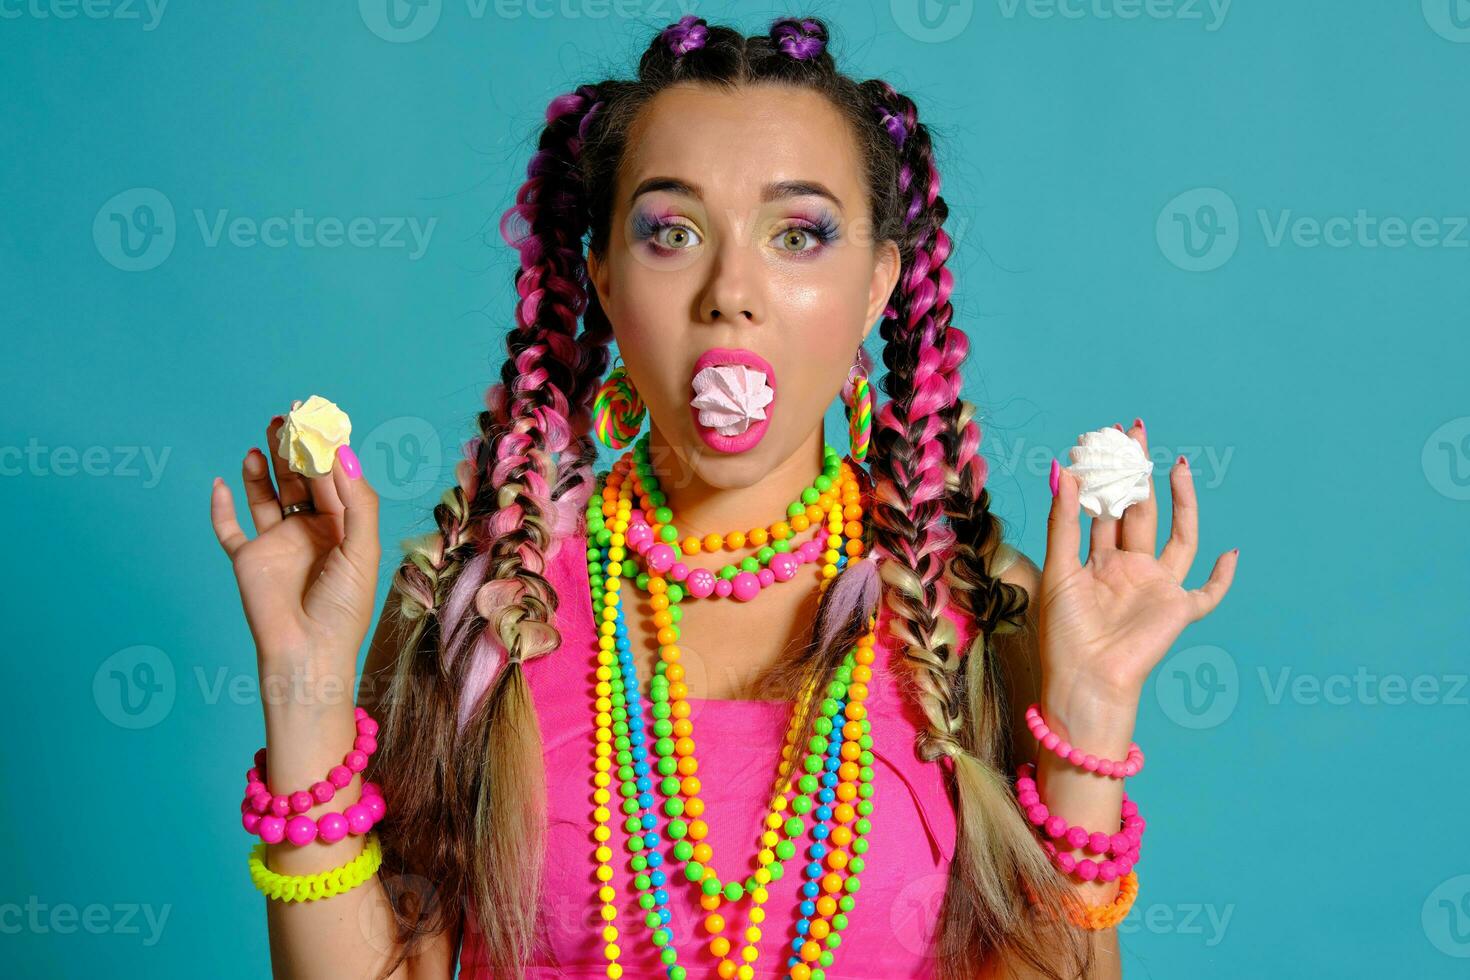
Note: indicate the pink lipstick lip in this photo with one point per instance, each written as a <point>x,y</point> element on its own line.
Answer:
<point>737,355</point>
<point>747,439</point>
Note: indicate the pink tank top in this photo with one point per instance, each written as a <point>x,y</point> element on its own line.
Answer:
<point>912,838</point>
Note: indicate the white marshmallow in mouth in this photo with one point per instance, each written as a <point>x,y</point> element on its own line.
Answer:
<point>731,397</point>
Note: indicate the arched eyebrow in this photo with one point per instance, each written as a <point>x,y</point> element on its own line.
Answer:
<point>771,192</point>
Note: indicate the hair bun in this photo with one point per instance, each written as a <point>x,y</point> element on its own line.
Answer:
<point>802,39</point>
<point>686,34</point>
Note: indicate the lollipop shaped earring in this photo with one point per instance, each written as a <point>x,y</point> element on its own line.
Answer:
<point>617,411</point>
<point>857,401</point>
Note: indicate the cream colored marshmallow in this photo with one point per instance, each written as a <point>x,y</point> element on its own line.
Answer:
<point>313,431</point>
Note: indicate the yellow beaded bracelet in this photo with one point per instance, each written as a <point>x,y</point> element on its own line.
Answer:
<point>323,884</point>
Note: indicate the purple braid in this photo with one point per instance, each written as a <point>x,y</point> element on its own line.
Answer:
<point>536,420</point>
<point>686,34</point>
<point>915,434</point>
<point>801,39</point>
<point>479,584</point>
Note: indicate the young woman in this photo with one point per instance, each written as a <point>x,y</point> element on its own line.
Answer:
<point>595,749</point>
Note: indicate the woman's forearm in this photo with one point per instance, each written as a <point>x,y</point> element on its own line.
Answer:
<point>1101,726</point>
<point>346,935</point>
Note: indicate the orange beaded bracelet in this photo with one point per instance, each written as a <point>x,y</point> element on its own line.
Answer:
<point>1096,917</point>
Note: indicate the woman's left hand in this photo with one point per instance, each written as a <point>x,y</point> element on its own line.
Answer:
<point>1105,624</point>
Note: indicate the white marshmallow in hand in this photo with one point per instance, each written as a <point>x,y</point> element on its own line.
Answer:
<point>1112,472</point>
<point>729,397</point>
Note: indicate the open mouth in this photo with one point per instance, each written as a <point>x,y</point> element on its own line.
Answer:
<point>734,392</point>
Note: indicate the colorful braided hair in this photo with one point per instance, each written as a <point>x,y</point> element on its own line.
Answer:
<point>461,748</point>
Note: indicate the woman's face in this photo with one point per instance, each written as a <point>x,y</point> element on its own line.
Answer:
<point>741,223</point>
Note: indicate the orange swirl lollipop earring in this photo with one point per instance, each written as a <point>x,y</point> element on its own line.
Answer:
<point>857,401</point>
<point>617,411</point>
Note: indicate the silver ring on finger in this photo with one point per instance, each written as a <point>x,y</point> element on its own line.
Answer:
<point>300,507</point>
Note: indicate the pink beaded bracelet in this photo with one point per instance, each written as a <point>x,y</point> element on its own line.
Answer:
<point>1124,847</point>
<point>1053,742</point>
<point>284,804</point>
<point>281,816</point>
<point>300,830</point>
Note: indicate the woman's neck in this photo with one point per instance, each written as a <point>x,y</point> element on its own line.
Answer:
<point>701,508</point>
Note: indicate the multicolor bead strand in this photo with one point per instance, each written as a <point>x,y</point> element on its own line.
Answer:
<point>667,685</point>
<point>614,731</point>
<point>800,514</point>
<point>628,732</point>
<point>744,580</point>
<point>840,504</point>
<point>829,896</point>
<point>604,749</point>
<point>847,759</point>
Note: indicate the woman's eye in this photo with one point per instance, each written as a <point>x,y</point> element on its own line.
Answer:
<point>676,237</point>
<point>800,239</point>
<point>796,239</point>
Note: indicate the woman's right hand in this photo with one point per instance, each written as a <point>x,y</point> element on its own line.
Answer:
<point>307,581</point>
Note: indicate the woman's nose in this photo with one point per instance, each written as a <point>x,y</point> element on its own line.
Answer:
<point>733,292</point>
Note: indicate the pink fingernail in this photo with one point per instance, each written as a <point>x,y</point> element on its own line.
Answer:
<point>350,465</point>
<point>1118,426</point>
<point>1056,475</point>
<point>1183,462</point>
<point>1141,428</point>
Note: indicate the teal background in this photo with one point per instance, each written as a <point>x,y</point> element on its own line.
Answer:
<point>1300,821</point>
